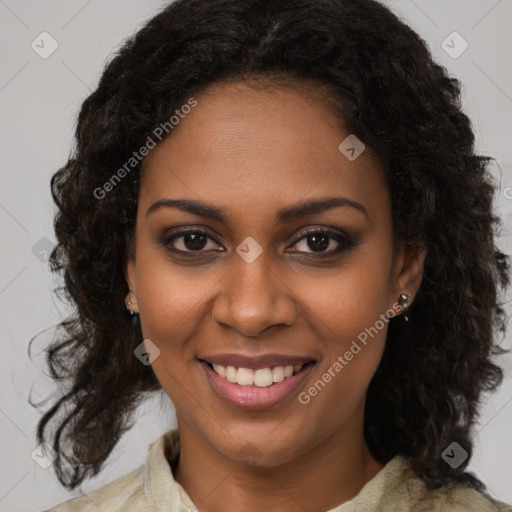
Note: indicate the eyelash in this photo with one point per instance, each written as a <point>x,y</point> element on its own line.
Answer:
<point>342,239</point>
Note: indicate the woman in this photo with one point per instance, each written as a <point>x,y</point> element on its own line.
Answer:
<point>275,214</point>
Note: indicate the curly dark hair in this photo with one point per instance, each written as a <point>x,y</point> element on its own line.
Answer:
<point>401,104</point>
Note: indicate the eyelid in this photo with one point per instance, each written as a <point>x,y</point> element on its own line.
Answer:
<point>319,229</point>
<point>344,240</point>
<point>165,240</point>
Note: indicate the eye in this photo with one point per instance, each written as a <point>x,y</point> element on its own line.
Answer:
<point>319,240</point>
<point>189,241</point>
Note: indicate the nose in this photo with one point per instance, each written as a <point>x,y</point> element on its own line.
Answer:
<point>254,298</point>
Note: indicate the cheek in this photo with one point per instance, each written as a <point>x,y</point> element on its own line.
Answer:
<point>349,313</point>
<point>348,300</point>
<point>352,347</point>
<point>170,297</point>
<point>168,301</point>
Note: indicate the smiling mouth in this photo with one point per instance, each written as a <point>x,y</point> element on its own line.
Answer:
<point>261,377</point>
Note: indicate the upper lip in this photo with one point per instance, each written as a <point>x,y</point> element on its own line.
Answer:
<point>255,362</point>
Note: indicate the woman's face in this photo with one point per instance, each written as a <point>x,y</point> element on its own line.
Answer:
<point>255,291</point>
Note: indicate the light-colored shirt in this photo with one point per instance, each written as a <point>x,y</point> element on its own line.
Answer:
<point>395,488</point>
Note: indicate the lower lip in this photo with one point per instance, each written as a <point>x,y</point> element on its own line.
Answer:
<point>253,397</point>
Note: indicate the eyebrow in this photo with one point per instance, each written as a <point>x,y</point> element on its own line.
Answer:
<point>284,215</point>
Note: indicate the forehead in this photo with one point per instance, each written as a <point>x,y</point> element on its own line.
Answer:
<point>246,148</point>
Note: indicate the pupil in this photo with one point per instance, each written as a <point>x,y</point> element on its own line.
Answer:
<point>194,241</point>
<point>320,242</point>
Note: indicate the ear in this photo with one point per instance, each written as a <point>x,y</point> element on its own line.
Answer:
<point>407,273</point>
<point>129,270</point>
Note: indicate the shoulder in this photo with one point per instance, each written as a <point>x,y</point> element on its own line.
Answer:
<point>411,489</point>
<point>460,498</point>
<point>116,496</point>
<point>133,491</point>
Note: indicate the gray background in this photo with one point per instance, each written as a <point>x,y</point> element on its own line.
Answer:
<point>39,101</point>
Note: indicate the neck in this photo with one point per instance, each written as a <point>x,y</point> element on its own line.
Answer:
<point>330,473</point>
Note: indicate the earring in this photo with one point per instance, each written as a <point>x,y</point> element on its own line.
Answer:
<point>130,303</point>
<point>403,302</point>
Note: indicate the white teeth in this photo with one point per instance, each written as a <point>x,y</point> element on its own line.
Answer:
<point>230,374</point>
<point>278,374</point>
<point>219,369</point>
<point>245,376</point>
<point>263,377</point>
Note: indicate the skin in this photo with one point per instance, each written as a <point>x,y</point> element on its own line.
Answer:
<point>252,152</point>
